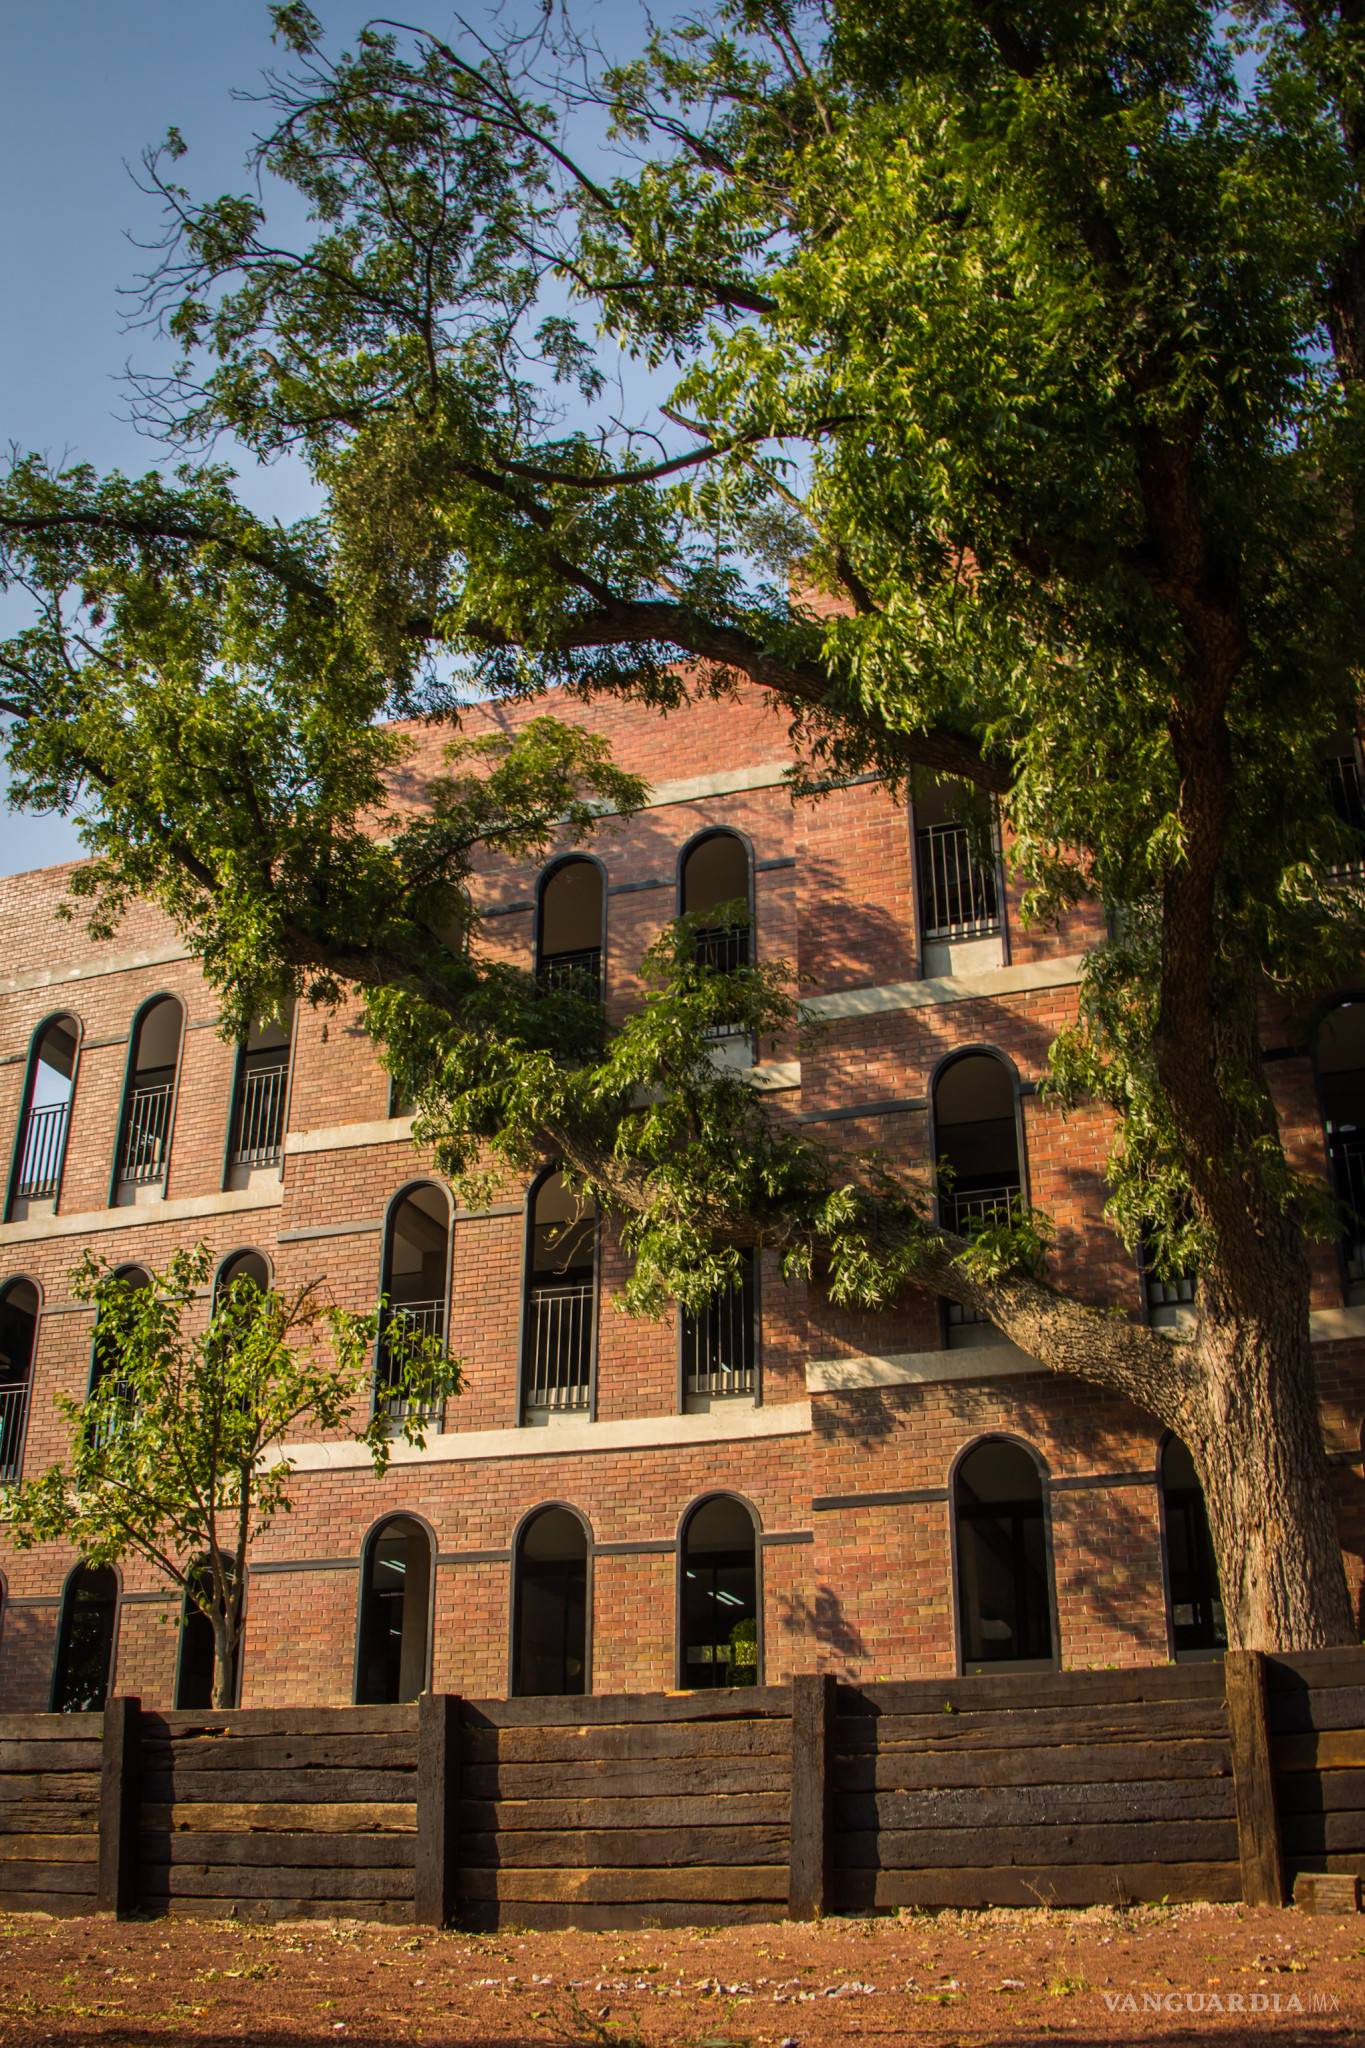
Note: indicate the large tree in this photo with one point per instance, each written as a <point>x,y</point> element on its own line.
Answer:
<point>1033,337</point>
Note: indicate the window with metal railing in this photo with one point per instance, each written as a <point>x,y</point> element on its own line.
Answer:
<point>980,1172</point>
<point>1169,1297</point>
<point>258,1128</point>
<point>958,891</point>
<point>559,1326</point>
<point>719,1341</point>
<point>569,927</point>
<point>715,872</point>
<point>47,1106</point>
<point>145,1131</point>
<point>18,1336</point>
<point>415,1283</point>
<point>1346,789</point>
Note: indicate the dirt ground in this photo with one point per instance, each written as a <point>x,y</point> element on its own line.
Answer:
<point>1210,1974</point>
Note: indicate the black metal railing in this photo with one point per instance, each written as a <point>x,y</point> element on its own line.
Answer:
<point>259,1124</point>
<point>420,1318</point>
<point>1173,1292</point>
<point>958,897</point>
<point>13,1415</point>
<point>1347,1155</point>
<point>580,971</point>
<point>40,1155</point>
<point>723,948</point>
<point>718,1344</point>
<point>146,1127</point>
<point>557,1358</point>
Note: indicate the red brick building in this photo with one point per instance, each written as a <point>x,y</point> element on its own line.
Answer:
<point>611,1504</point>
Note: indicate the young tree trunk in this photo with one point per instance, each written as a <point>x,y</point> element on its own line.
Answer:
<point>224,1661</point>
<point>1254,1430</point>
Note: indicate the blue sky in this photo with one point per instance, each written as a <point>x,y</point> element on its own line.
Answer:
<point>84,86</point>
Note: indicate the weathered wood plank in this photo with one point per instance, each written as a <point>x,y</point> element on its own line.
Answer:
<point>1315,1834</point>
<point>1301,1712</point>
<point>119,1798</point>
<point>624,1848</point>
<point>49,1877</point>
<point>439,1731</point>
<point>275,1818</point>
<point>1320,1792</point>
<point>1315,1668</point>
<point>1258,1826</point>
<point>485,1916</point>
<point>704,1887</point>
<point>1011,1806</point>
<point>812,1795</point>
<point>81,1786</point>
<point>51,1816</point>
<point>1212,1841</point>
<point>1333,1896</point>
<point>61,1905</point>
<point>288,1721</point>
<point>1029,1692</point>
<point>610,1778</point>
<point>1105,1763</point>
<point>1336,1749</point>
<point>687,1740</point>
<point>736,1809</point>
<point>49,1756</point>
<point>240,1881</point>
<point>313,1787</point>
<point>325,1852</point>
<point>1042,1884</point>
<point>388,1912</point>
<point>281,1753</point>
<point>738,1703</point>
<point>1179,1721</point>
<point>50,1848</point>
<point>52,1728</point>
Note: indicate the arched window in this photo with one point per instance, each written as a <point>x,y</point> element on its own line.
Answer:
<point>19,1303</point>
<point>1341,1082</point>
<point>145,1131</point>
<point>415,1282</point>
<point>1192,1591</point>
<point>720,1341</point>
<point>395,1613</point>
<point>196,1663</point>
<point>1341,765</point>
<point>976,1145</point>
<point>258,1099</point>
<point>570,906</point>
<point>46,1114</point>
<point>715,871</point>
<point>1004,1558</point>
<point>718,1604</point>
<point>550,1604</point>
<point>244,1265</point>
<point>85,1641</point>
<point>559,1317</point>
<point>104,1352</point>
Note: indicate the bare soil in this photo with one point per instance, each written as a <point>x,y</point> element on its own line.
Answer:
<point>1180,1975</point>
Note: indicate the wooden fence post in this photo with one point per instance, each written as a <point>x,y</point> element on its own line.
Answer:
<point>1253,1778</point>
<point>813,1706</point>
<point>438,1809</point>
<point>116,1884</point>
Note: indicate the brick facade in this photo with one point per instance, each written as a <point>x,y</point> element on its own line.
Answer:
<point>848,1479</point>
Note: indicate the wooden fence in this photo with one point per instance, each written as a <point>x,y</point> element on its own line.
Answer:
<point>1216,1781</point>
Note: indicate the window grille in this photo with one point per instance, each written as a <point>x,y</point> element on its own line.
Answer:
<point>958,896</point>
<point>259,1124</point>
<point>718,1341</point>
<point>1347,795</point>
<point>426,1319</point>
<point>1346,1151</point>
<point>557,1365</point>
<point>13,1413</point>
<point>146,1125</point>
<point>40,1154</point>
<point>580,971</point>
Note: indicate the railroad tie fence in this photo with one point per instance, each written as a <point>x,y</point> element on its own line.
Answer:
<point>1223,1780</point>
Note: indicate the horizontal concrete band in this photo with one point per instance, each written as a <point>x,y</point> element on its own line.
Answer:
<point>916,1496</point>
<point>187,1209</point>
<point>564,1439</point>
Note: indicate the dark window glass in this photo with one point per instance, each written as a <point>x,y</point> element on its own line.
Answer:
<point>1004,1570</point>
<point>394,1609</point>
<point>85,1641</point>
<point>195,1666</point>
<point>551,1604</point>
<point>719,1596</point>
<point>1191,1570</point>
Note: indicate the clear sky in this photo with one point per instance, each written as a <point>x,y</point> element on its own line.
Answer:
<point>84,86</point>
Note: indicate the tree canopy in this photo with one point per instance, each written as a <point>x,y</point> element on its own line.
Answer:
<point>992,398</point>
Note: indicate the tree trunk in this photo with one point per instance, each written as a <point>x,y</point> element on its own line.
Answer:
<point>224,1662</point>
<point>1253,1427</point>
